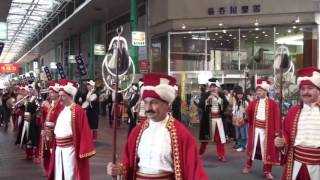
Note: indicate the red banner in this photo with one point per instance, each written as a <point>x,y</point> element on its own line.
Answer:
<point>8,68</point>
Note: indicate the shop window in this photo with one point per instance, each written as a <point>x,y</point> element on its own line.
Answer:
<point>159,54</point>
<point>222,50</point>
<point>187,51</point>
<point>302,44</point>
<point>257,48</point>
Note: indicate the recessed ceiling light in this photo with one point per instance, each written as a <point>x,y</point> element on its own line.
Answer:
<point>220,24</point>
<point>183,26</point>
<point>294,27</point>
<point>257,37</point>
<point>244,36</point>
<point>277,33</point>
<point>301,29</point>
<point>257,29</point>
<point>224,31</point>
<point>216,34</point>
<point>263,32</point>
<point>256,23</point>
<point>266,35</point>
<point>230,35</point>
<point>289,30</point>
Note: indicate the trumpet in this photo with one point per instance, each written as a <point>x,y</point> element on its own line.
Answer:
<point>21,100</point>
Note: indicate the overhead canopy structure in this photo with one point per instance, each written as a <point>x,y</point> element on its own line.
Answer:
<point>24,20</point>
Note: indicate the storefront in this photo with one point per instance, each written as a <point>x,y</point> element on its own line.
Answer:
<point>227,53</point>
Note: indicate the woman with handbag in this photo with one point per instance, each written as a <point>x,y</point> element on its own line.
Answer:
<point>238,119</point>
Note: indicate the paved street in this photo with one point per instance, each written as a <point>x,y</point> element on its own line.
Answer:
<point>14,167</point>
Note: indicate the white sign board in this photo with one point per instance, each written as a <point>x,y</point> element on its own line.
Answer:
<point>72,59</point>
<point>99,49</point>
<point>3,30</point>
<point>138,38</point>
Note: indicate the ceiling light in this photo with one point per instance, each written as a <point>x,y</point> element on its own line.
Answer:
<point>224,31</point>
<point>244,36</point>
<point>230,35</point>
<point>256,23</point>
<point>266,35</point>
<point>297,20</point>
<point>220,24</point>
<point>257,37</point>
<point>263,32</point>
<point>289,30</point>
<point>183,26</point>
<point>277,33</point>
<point>291,40</point>
<point>257,29</point>
<point>294,27</point>
<point>216,34</point>
<point>301,29</point>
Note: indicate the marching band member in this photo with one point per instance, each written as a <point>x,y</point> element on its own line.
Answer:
<point>263,117</point>
<point>214,106</point>
<point>132,103</point>
<point>91,105</point>
<point>51,110</point>
<point>160,147</point>
<point>301,130</point>
<point>73,145</point>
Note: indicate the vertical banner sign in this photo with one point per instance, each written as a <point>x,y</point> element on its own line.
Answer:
<point>60,71</point>
<point>48,73</point>
<point>81,67</point>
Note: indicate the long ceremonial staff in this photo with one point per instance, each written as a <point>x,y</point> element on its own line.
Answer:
<point>283,65</point>
<point>115,107</point>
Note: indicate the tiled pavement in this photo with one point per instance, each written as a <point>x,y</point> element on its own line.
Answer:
<point>14,167</point>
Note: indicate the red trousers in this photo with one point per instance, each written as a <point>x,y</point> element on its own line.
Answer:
<point>267,168</point>
<point>303,173</point>
<point>219,145</point>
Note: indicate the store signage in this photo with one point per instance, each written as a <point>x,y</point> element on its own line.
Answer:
<point>232,10</point>
<point>3,30</point>
<point>138,38</point>
<point>9,68</point>
<point>99,49</point>
<point>144,66</point>
<point>72,59</point>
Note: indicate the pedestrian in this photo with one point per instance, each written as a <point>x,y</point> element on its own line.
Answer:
<point>238,115</point>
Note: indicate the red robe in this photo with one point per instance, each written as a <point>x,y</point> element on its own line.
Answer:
<point>289,134</point>
<point>83,144</point>
<point>49,114</point>
<point>273,128</point>
<point>186,161</point>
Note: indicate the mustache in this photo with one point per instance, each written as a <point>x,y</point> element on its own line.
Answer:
<point>150,112</point>
<point>306,95</point>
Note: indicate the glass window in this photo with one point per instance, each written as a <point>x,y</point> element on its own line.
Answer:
<point>257,48</point>
<point>187,51</point>
<point>223,48</point>
<point>301,42</point>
